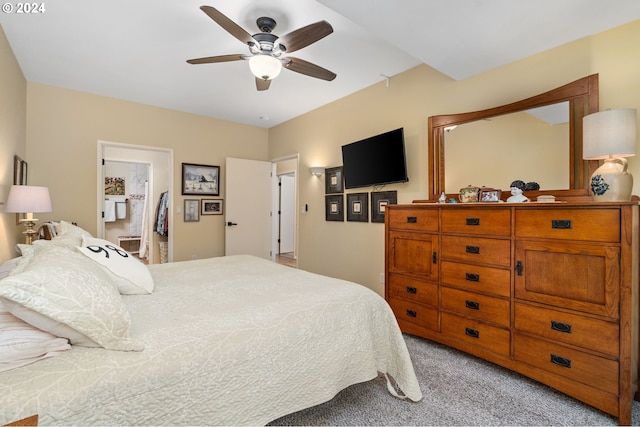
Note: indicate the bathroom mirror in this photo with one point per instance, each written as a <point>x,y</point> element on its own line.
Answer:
<point>558,142</point>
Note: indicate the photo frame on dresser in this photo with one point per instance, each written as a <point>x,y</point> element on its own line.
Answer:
<point>334,207</point>
<point>358,207</point>
<point>379,201</point>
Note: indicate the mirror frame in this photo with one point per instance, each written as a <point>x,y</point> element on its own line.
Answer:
<point>583,99</point>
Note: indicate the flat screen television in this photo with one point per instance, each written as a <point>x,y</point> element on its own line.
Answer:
<point>376,160</point>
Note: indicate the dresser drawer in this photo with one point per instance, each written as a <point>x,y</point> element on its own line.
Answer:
<point>593,334</point>
<point>586,368</point>
<point>419,314</point>
<point>597,225</point>
<point>476,250</point>
<point>475,333</point>
<point>412,219</point>
<point>471,277</point>
<point>492,222</point>
<point>413,290</point>
<point>481,307</point>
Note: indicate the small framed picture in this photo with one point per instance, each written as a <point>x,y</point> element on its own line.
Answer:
<point>211,206</point>
<point>358,207</point>
<point>490,195</point>
<point>333,180</point>
<point>334,210</point>
<point>379,202</point>
<point>200,180</point>
<point>191,210</point>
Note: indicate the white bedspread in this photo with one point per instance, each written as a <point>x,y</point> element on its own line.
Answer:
<point>228,341</point>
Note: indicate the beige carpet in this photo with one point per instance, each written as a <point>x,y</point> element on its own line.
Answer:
<point>458,389</point>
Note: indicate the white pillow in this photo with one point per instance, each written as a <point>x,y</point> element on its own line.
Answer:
<point>7,266</point>
<point>21,343</point>
<point>66,228</point>
<point>70,289</point>
<point>134,276</point>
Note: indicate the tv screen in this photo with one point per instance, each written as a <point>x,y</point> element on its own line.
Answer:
<point>376,160</point>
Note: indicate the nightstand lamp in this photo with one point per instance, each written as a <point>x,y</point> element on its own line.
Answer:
<point>610,135</point>
<point>28,199</point>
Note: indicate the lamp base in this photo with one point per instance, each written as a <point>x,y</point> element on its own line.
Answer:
<point>30,231</point>
<point>611,182</point>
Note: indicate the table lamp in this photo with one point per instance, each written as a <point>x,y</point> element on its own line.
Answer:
<point>610,135</point>
<point>28,199</point>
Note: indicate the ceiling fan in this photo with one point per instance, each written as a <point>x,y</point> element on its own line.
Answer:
<point>266,50</point>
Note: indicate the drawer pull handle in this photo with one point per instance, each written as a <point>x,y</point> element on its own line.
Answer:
<point>412,219</point>
<point>519,268</point>
<point>412,313</point>
<point>560,361</point>
<point>472,249</point>
<point>434,257</point>
<point>473,305</point>
<point>561,224</point>
<point>473,221</point>
<point>472,333</point>
<point>561,327</point>
<point>411,290</point>
<point>472,277</point>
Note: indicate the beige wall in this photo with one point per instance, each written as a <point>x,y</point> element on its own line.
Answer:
<point>63,127</point>
<point>13,127</point>
<point>355,251</point>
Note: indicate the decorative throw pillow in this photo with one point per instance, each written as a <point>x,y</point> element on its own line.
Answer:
<point>134,277</point>
<point>66,287</point>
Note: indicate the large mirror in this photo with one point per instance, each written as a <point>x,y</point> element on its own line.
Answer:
<point>538,138</point>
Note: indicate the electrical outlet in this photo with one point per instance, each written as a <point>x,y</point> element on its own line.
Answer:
<point>194,257</point>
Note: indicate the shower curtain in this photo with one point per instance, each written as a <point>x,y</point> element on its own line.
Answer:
<point>144,235</point>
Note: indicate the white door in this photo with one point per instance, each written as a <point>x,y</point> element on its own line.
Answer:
<point>248,193</point>
<point>287,212</point>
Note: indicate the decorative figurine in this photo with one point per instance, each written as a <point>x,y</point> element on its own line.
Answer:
<point>517,187</point>
<point>531,186</point>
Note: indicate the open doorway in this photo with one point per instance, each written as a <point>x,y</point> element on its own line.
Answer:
<point>286,230</point>
<point>157,165</point>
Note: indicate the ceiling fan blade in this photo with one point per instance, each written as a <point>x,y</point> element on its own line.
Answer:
<point>262,84</point>
<point>234,29</point>
<point>307,68</point>
<point>303,37</point>
<point>219,58</point>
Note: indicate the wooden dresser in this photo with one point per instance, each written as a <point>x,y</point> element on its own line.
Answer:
<point>547,290</point>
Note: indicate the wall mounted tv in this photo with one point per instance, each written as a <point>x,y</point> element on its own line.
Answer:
<point>376,160</point>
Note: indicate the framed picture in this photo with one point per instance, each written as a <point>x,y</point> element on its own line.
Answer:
<point>211,207</point>
<point>333,180</point>
<point>334,210</point>
<point>358,207</point>
<point>379,202</point>
<point>191,210</point>
<point>490,195</point>
<point>19,171</point>
<point>200,180</point>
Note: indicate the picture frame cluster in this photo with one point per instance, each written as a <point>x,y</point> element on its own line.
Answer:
<point>359,207</point>
<point>201,180</point>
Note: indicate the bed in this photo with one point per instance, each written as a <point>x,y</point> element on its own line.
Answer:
<point>224,341</point>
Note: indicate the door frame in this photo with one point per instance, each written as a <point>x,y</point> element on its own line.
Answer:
<point>101,147</point>
<point>276,202</point>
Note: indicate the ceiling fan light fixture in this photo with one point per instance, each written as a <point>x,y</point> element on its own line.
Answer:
<point>265,67</point>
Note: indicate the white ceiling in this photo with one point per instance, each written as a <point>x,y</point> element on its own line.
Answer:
<point>136,49</point>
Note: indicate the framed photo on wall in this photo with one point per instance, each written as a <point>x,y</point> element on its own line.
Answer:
<point>19,171</point>
<point>333,180</point>
<point>211,207</point>
<point>379,201</point>
<point>191,210</point>
<point>334,210</point>
<point>358,207</point>
<point>200,180</point>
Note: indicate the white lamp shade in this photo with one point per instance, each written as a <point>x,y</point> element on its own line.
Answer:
<point>265,67</point>
<point>610,134</point>
<point>28,199</point>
